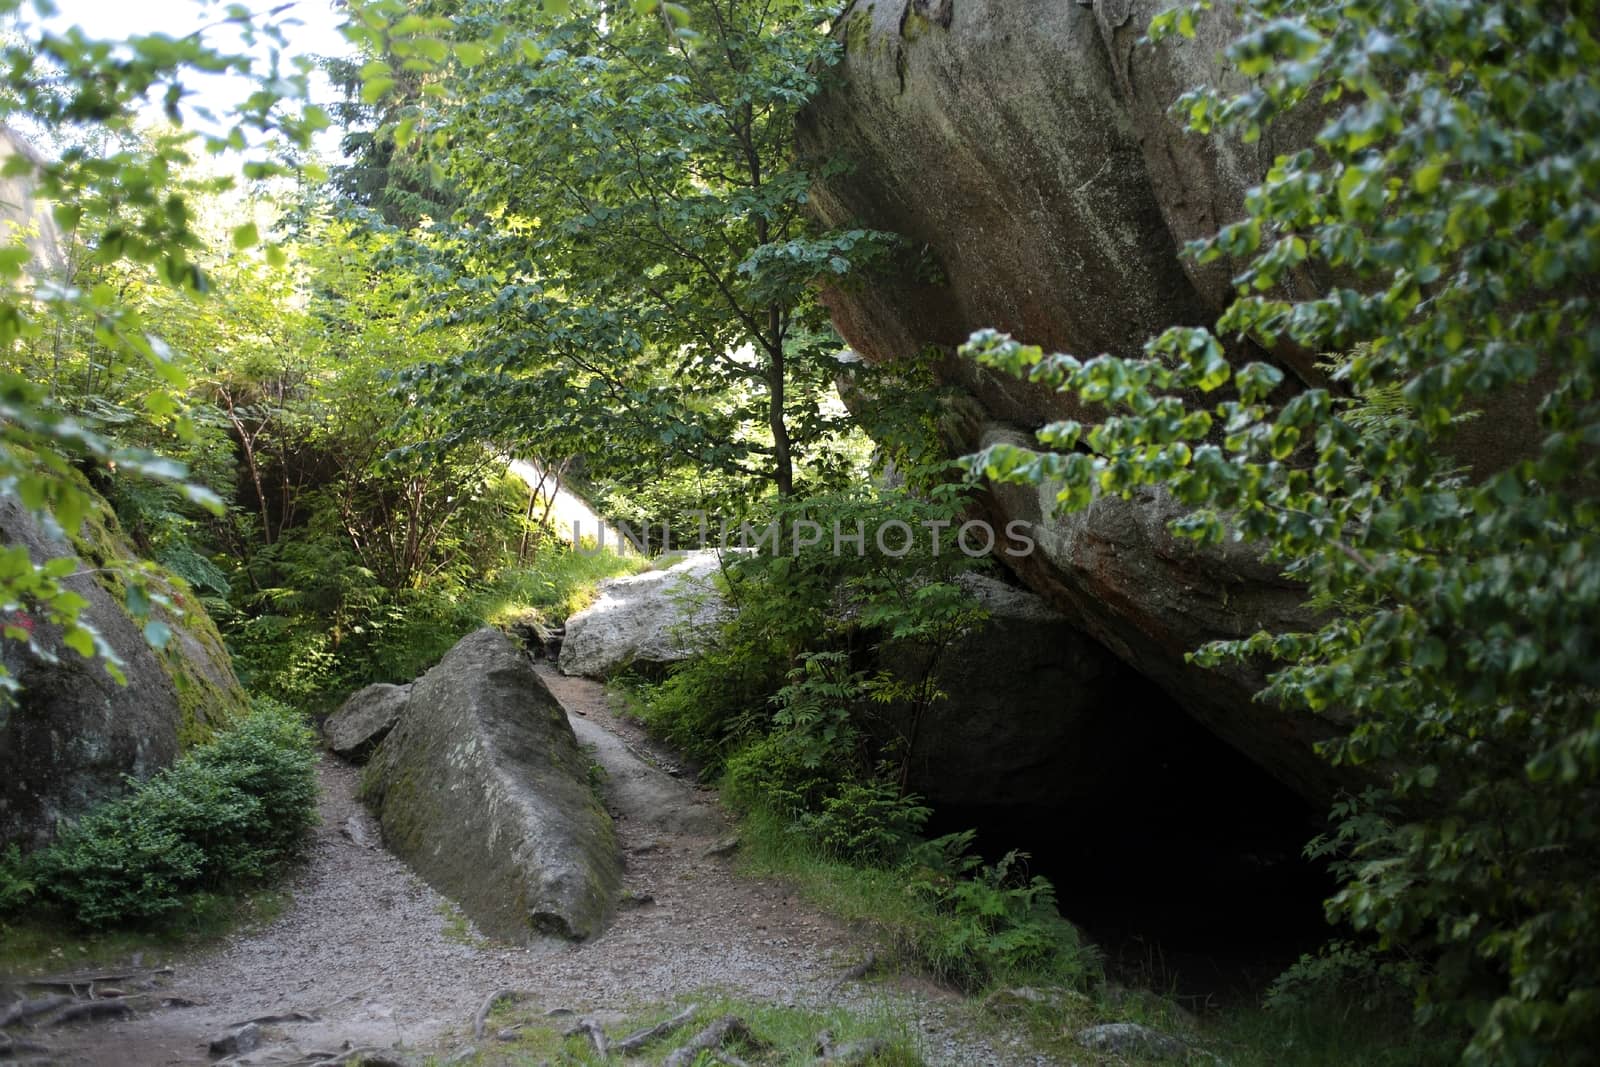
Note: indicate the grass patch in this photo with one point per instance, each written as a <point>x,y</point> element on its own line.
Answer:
<point>560,583</point>
<point>1328,1033</point>
<point>457,927</point>
<point>32,945</point>
<point>954,926</point>
<point>789,1034</point>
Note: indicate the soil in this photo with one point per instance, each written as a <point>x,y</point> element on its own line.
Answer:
<point>374,957</point>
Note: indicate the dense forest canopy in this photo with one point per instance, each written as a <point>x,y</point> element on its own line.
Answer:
<point>578,233</point>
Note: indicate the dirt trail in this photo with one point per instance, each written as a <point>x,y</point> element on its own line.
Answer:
<point>377,958</point>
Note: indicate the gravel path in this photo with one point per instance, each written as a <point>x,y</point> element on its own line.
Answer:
<point>377,958</point>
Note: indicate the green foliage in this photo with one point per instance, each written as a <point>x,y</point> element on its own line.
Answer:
<point>997,922</point>
<point>228,814</point>
<point>17,885</point>
<point>939,909</point>
<point>1347,972</point>
<point>633,219</point>
<point>1452,193</point>
<point>807,607</point>
<point>118,193</point>
<point>865,822</point>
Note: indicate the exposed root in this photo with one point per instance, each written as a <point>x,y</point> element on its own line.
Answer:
<point>267,1020</point>
<point>27,1009</point>
<point>481,1020</point>
<point>596,1034</point>
<point>858,972</point>
<point>366,1055</point>
<point>640,1038</point>
<point>11,1048</point>
<point>89,1009</point>
<point>712,1038</point>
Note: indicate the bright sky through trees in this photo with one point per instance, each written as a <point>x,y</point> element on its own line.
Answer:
<point>314,32</point>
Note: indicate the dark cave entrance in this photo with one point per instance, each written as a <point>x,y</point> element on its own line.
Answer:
<point>1180,857</point>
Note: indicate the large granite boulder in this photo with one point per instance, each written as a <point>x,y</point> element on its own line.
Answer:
<point>364,720</point>
<point>650,620</point>
<point>72,733</point>
<point>1029,150</point>
<point>482,788</point>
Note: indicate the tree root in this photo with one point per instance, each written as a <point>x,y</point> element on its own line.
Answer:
<point>267,1020</point>
<point>89,1009</point>
<point>596,1034</point>
<point>11,1048</point>
<point>27,1009</point>
<point>640,1038</point>
<point>481,1020</point>
<point>712,1038</point>
<point>858,972</point>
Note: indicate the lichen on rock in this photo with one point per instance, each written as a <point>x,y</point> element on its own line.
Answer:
<point>482,788</point>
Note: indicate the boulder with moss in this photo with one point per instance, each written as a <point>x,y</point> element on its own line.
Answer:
<point>482,788</point>
<point>364,720</point>
<point>72,733</point>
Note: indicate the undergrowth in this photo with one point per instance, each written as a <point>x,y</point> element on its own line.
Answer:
<point>321,648</point>
<point>43,941</point>
<point>228,816</point>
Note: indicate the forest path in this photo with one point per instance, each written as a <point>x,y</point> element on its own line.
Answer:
<point>377,958</point>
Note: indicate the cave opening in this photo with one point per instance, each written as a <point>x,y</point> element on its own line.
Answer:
<point>1177,855</point>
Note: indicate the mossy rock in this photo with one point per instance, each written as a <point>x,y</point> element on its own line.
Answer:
<point>73,734</point>
<point>482,788</point>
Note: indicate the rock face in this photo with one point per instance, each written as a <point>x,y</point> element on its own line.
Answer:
<point>364,720</point>
<point>652,619</point>
<point>73,732</point>
<point>481,787</point>
<point>1035,712</point>
<point>1028,149</point>
<point>22,214</point>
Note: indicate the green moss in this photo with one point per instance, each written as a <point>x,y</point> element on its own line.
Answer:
<point>204,703</point>
<point>856,29</point>
<point>914,26</point>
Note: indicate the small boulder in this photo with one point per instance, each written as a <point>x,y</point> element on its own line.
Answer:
<point>245,1039</point>
<point>650,619</point>
<point>364,720</point>
<point>482,788</point>
<point>1131,1039</point>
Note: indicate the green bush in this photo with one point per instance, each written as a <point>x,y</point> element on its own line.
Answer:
<point>866,822</point>
<point>231,813</point>
<point>995,921</point>
<point>17,885</point>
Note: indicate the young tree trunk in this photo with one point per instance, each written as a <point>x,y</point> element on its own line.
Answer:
<point>782,461</point>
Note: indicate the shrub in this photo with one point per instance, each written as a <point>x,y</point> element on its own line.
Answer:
<point>866,822</point>
<point>231,813</point>
<point>995,921</point>
<point>17,885</point>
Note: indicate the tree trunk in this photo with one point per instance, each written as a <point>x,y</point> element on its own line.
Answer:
<point>782,461</point>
